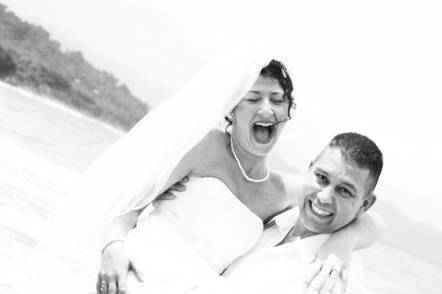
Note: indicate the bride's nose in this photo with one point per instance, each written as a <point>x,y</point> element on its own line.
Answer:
<point>266,108</point>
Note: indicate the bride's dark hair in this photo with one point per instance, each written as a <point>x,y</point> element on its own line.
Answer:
<point>276,70</point>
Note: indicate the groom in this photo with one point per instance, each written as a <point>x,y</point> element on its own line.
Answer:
<point>347,171</point>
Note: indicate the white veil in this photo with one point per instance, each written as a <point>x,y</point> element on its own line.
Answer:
<point>131,172</point>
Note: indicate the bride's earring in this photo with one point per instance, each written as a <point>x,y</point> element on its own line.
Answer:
<point>229,123</point>
<point>292,110</point>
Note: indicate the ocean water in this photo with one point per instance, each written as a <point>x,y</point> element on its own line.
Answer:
<point>44,150</point>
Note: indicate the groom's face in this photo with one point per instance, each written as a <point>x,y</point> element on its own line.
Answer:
<point>343,196</point>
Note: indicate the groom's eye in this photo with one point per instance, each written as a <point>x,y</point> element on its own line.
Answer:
<point>344,192</point>
<point>322,180</point>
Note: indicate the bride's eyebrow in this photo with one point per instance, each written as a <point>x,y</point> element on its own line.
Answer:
<point>272,93</point>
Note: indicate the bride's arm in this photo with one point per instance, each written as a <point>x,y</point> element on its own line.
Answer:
<point>121,225</point>
<point>115,262</point>
<point>361,233</point>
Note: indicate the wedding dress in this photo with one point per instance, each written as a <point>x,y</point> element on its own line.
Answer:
<point>188,239</point>
<point>207,225</point>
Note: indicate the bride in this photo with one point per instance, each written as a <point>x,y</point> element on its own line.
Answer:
<point>230,196</point>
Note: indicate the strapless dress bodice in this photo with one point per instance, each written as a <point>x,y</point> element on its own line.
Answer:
<point>212,220</point>
<point>203,226</point>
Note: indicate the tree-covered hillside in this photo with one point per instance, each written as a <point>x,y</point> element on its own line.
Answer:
<point>29,58</point>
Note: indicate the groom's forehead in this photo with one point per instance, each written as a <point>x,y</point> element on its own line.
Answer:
<point>329,158</point>
<point>334,164</point>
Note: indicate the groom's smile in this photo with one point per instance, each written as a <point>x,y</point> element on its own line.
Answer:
<point>343,186</point>
<point>316,214</point>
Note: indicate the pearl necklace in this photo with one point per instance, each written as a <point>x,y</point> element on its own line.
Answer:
<point>266,177</point>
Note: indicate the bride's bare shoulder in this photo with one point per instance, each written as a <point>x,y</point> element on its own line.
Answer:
<point>213,138</point>
<point>217,140</point>
<point>209,148</point>
<point>217,135</point>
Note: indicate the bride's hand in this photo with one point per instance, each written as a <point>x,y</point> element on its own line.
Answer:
<point>114,268</point>
<point>328,272</point>
<point>325,276</point>
<point>177,187</point>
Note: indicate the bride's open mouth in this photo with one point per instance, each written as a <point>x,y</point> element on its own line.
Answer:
<point>263,132</point>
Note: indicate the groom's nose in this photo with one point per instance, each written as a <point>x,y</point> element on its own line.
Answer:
<point>325,195</point>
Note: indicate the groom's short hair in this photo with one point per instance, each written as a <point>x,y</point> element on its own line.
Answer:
<point>362,151</point>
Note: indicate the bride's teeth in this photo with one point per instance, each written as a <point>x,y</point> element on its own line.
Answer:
<point>264,124</point>
<point>320,211</point>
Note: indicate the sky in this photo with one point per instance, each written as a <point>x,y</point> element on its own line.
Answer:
<point>374,67</point>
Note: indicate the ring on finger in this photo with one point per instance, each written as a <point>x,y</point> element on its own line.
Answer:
<point>103,285</point>
<point>335,270</point>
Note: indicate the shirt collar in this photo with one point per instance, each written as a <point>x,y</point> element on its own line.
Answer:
<point>308,247</point>
<point>286,220</point>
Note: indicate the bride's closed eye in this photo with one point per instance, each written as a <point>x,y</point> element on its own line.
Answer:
<point>253,100</point>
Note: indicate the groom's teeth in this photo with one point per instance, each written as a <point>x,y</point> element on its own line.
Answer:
<point>320,211</point>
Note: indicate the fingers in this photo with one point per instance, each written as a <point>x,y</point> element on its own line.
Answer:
<point>168,195</point>
<point>112,287</point>
<point>107,284</point>
<point>136,271</point>
<point>319,280</point>
<point>178,187</point>
<point>98,284</point>
<point>312,270</point>
<point>330,282</point>
<point>344,279</point>
<point>337,288</point>
<point>122,284</point>
<point>102,285</point>
<point>113,271</point>
<point>327,276</point>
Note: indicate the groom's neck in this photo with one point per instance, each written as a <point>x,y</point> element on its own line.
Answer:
<point>298,231</point>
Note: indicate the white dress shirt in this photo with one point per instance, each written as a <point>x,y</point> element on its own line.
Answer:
<point>276,269</point>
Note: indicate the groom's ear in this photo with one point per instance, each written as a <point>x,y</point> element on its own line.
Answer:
<point>367,202</point>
